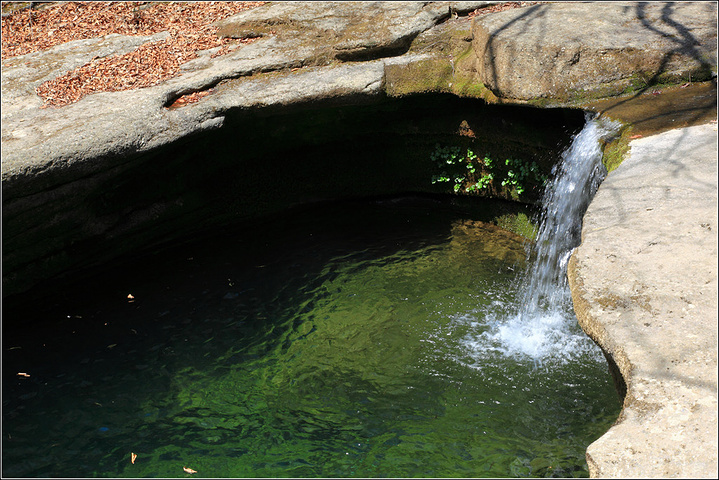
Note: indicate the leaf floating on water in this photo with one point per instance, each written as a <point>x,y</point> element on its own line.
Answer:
<point>23,374</point>
<point>189,470</point>
<point>130,298</point>
<point>133,456</point>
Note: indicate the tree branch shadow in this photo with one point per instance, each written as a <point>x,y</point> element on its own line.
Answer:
<point>686,43</point>
<point>681,35</point>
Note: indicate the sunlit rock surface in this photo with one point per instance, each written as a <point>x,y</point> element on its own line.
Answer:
<point>644,283</point>
<point>554,51</point>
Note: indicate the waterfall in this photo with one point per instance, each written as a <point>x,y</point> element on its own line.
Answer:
<point>575,180</point>
<point>541,324</point>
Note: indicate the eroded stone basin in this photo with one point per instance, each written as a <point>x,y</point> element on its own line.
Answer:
<point>258,163</point>
<point>59,227</point>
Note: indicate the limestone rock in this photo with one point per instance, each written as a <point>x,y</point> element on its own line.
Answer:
<point>20,75</point>
<point>644,284</point>
<point>564,51</point>
<point>116,124</point>
<point>345,30</point>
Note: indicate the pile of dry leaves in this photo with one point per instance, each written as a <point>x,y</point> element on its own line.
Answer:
<point>189,25</point>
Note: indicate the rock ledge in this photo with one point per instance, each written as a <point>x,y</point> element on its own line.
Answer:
<point>644,284</point>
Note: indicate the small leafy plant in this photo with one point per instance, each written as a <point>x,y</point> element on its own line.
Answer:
<point>465,170</point>
<point>520,173</point>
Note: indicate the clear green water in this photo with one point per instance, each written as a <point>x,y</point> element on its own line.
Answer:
<point>364,340</point>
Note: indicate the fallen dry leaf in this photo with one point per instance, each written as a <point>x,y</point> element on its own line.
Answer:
<point>133,456</point>
<point>189,470</point>
<point>191,98</point>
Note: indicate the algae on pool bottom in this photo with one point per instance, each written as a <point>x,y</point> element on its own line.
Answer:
<point>352,354</point>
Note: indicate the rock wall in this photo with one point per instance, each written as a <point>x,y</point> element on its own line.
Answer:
<point>644,284</point>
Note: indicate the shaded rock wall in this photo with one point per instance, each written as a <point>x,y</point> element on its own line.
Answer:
<point>261,161</point>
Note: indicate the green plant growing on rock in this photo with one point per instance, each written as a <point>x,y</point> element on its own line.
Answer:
<point>453,156</point>
<point>466,171</point>
<point>520,173</point>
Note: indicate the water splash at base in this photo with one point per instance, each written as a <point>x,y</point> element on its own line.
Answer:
<point>551,337</point>
<point>541,325</point>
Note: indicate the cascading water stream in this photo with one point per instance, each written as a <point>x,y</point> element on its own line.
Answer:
<point>541,325</point>
<point>576,179</point>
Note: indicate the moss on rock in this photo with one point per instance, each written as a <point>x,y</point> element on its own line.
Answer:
<point>519,223</point>
<point>616,149</point>
<point>424,76</point>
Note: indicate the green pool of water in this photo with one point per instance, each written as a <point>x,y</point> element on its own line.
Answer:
<point>362,340</point>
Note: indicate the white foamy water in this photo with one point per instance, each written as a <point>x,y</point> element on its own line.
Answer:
<point>541,325</point>
<point>549,337</point>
